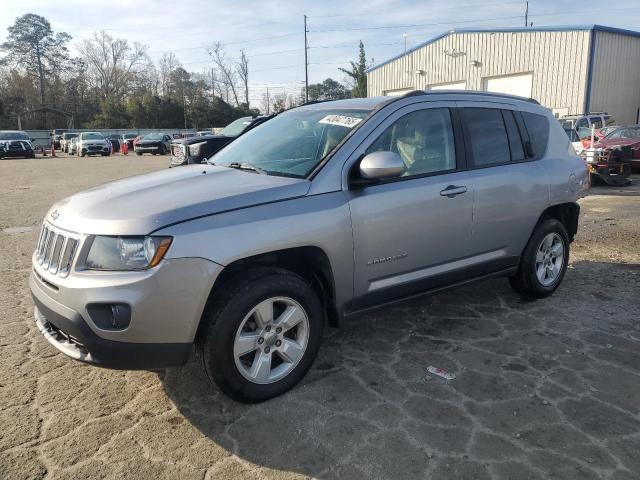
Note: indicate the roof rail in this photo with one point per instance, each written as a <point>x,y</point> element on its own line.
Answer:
<point>470,92</point>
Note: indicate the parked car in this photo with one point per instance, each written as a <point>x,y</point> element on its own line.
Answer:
<point>72,143</point>
<point>92,143</point>
<point>16,143</point>
<point>323,211</point>
<point>585,134</point>
<point>199,148</point>
<point>55,141</point>
<point>203,133</point>
<point>129,138</point>
<point>623,137</point>
<point>154,143</point>
<point>578,122</point>
<point>574,138</point>
<point>65,139</point>
<point>115,139</point>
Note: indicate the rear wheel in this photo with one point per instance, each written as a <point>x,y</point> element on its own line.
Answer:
<point>543,262</point>
<point>262,335</point>
<point>139,153</point>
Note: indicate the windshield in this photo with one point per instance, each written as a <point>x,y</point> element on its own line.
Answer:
<point>91,136</point>
<point>566,123</point>
<point>624,132</point>
<point>69,135</point>
<point>13,136</point>
<point>153,136</point>
<point>129,135</point>
<point>236,127</point>
<point>293,143</point>
<point>572,134</point>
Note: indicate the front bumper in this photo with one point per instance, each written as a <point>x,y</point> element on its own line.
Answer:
<point>95,149</point>
<point>17,153</point>
<point>153,149</point>
<point>166,306</point>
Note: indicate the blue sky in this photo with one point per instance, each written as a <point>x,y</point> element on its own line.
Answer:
<point>271,31</point>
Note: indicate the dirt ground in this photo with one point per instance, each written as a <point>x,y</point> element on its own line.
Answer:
<point>543,390</point>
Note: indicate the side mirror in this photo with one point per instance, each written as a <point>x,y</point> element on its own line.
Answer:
<point>380,165</point>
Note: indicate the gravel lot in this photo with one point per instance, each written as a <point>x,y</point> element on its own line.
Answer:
<point>545,389</point>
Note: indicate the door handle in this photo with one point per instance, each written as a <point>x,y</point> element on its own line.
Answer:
<point>453,190</point>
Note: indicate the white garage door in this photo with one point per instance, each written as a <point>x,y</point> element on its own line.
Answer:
<point>398,92</point>
<point>512,84</point>
<point>449,86</point>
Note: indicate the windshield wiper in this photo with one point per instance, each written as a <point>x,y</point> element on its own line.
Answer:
<point>247,166</point>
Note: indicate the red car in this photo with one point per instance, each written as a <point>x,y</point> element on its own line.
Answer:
<point>623,137</point>
<point>598,134</point>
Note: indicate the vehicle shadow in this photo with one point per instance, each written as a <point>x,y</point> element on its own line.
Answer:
<point>627,191</point>
<point>369,409</point>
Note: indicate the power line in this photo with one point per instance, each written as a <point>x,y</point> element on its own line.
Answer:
<point>456,7</point>
<point>392,27</point>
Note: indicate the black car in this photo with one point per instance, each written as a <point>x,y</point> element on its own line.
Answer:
<point>153,143</point>
<point>197,149</point>
<point>14,143</point>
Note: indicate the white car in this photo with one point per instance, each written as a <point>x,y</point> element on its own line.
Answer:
<point>92,143</point>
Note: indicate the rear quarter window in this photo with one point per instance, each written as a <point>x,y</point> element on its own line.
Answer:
<point>538,130</point>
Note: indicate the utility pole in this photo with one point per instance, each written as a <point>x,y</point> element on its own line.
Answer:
<point>268,101</point>
<point>526,16</point>
<point>213,86</point>
<point>184,109</point>
<point>306,63</point>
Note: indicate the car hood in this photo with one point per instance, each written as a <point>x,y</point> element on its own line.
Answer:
<point>614,142</point>
<point>202,139</point>
<point>142,204</point>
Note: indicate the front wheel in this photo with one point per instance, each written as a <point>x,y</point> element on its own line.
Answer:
<point>543,262</point>
<point>262,334</point>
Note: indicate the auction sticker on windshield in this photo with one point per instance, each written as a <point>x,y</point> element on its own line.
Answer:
<point>341,120</point>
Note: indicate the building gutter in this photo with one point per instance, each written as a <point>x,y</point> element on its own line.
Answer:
<point>592,54</point>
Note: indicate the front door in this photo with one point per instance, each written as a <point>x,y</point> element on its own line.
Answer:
<point>411,232</point>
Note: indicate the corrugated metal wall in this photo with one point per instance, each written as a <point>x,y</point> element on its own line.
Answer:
<point>557,59</point>
<point>615,86</point>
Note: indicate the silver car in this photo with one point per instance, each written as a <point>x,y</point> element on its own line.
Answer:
<point>323,211</point>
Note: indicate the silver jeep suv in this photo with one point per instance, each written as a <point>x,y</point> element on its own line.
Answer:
<point>322,211</point>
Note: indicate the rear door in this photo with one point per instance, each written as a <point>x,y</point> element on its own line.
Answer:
<point>410,232</point>
<point>509,187</point>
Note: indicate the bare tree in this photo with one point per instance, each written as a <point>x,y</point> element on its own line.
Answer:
<point>225,69</point>
<point>113,65</point>
<point>243,73</point>
<point>167,64</point>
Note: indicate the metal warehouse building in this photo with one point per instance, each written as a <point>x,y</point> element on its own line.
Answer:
<point>570,70</point>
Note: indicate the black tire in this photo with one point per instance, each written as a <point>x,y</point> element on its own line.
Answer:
<point>525,281</point>
<point>224,317</point>
<point>139,153</point>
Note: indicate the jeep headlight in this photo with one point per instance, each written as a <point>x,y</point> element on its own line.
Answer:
<point>126,253</point>
<point>194,150</point>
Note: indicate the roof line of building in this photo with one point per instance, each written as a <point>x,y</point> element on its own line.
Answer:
<point>557,28</point>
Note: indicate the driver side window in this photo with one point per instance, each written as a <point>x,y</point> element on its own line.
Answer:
<point>423,139</point>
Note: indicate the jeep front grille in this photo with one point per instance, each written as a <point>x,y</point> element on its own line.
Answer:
<point>56,250</point>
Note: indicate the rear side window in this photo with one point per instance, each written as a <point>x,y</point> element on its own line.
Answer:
<point>538,130</point>
<point>487,135</point>
<point>596,122</point>
<point>515,141</point>
<point>608,120</point>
